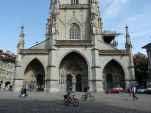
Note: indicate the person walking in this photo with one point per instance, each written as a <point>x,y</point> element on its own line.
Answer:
<point>134,93</point>
<point>129,91</point>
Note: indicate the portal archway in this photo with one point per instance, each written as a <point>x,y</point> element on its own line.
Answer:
<point>35,76</point>
<point>76,66</point>
<point>113,75</point>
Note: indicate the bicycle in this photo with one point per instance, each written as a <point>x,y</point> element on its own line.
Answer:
<point>87,96</point>
<point>23,93</point>
<point>71,100</point>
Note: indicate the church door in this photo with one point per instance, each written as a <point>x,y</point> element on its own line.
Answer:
<point>109,81</point>
<point>40,82</point>
<point>78,83</point>
<point>74,64</point>
<point>69,83</point>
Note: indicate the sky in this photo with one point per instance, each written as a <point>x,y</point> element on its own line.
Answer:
<point>32,14</point>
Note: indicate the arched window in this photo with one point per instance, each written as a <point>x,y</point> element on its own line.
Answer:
<point>73,2</point>
<point>74,31</point>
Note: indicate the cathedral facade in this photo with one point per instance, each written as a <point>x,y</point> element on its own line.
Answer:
<point>75,54</point>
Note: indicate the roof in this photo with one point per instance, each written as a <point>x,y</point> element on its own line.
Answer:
<point>110,33</point>
<point>147,46</point>
<point>7,56</point>
<point>39,45</point>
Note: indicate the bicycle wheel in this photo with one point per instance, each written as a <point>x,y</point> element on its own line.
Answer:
<point>76,102</point>
<point>91,98</point>
<point>83,98</point>
<point>66,102</point>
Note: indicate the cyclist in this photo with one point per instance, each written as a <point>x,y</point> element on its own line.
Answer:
<point>87,95</point>
<point>23,92</point>
<point>67,97</point>
<point>70,99</point>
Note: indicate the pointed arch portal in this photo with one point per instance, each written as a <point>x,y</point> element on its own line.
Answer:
<point>35,76</point>
<point>113,75</point>
<point>74,71</point>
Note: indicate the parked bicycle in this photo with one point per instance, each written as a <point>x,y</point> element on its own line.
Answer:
<point>87,96</point>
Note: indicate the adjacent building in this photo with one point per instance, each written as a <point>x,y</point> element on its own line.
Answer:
<point>148,50</point>
<point>76,52</point>
<point>7,68</point>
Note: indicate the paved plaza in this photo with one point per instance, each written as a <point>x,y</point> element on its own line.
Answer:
<point>53,103</point>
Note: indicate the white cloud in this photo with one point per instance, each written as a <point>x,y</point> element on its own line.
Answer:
<point>113,7</point>
<point>137,25</point>
<point>119,13</point>
<point>139,28</point>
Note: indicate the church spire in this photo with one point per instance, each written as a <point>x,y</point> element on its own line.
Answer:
<point>128,44</point>
<point>22,32</point>
<point>53,12</point>
<point>21,41</point>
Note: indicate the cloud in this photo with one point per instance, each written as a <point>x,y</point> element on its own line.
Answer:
<point>118,13</point>
<point>114,7</point>
<point>139,29</point>
<point>139,26</point>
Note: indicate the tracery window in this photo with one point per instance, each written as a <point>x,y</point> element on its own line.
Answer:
<point>74,31</point>
<point>73,2</point>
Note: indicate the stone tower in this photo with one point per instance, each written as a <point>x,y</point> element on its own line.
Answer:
<point>83,16</point>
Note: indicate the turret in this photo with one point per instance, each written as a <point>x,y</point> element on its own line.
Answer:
<point>54,8</point>
<point>53,12</point>
<point>21,41</point>
<point>96,21</point>
<point>128,44</point>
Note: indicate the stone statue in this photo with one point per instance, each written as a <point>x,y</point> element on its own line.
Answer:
<point>95,18</point>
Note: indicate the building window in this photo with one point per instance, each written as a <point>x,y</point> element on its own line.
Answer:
<point>73,2</point>
<point>74,31</point>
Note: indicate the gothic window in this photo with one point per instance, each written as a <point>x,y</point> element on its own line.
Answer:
<point>73,2</point>
<point>74,31</point>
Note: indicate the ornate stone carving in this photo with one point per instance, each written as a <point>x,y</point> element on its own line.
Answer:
<point>95,19</point>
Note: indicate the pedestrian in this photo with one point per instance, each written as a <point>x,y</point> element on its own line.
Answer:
<point>129,91</point>
<point>10,88</point>
<point>0,86</point>
<point>21,91</point>
<point>25,91</point>
<point>134,93</point>
<point>86,93</point>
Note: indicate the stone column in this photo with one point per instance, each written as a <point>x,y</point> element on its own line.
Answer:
<point>74,83</point>
<point>53,74</point>
<point>18,79</point>
<point>96,79</point>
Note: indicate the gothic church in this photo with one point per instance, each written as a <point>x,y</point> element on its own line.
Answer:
<point>76,53</point>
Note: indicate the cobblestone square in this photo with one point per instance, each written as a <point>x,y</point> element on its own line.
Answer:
<point>53,103</point>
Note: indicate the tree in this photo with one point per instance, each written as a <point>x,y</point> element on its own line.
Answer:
<point>141,68</point>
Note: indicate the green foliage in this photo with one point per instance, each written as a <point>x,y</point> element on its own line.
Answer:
<point>141,68</point>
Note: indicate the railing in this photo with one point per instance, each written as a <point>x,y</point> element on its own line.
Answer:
<point>77,6</point>
<point>34,51</point>
<point>73,42</point>
<point>113,52</point>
